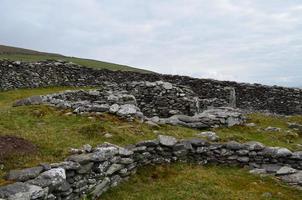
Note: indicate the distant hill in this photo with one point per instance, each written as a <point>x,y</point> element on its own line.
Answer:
<point>28,55</point>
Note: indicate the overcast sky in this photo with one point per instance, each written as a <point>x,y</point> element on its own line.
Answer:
<point>241,40</point>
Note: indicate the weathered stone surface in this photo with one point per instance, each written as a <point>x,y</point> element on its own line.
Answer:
<point>22,191</point>
<point>286,170</point>
<point>114,168</point>
<point>295,178</point>
<point>24,174</point>
<point>214,93</point>
<point>272,129</point>
<point>233,145</point>
<point>254,146</point>
<point>212,136</point>
<point>127,109</point>
<point>97,169</point>
<point>100,188</point>
<point>167,140</point>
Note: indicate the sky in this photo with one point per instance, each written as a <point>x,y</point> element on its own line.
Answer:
<point>255,41</point>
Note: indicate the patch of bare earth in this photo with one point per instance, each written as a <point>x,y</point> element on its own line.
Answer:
<point>11,145</point>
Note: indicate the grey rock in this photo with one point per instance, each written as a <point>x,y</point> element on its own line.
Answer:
<point>24,174</point>
<point>233,145</point>
<point>167,86</point>
<point>22,191</point>
<point>297,155</point>
<point>114,108</point>
<point>283,152</point>
<point>152,124</point>
<point>87,148</point>
<point>271,168</point>
<point>86,168</point>
<point>286,170</point>
<point>114,168</point>
<point>100,188</point>
<point>254,146</point>
<point>167,140</point>
<point>295,178</point>
<point>127,109</point>
<point>257,171</point>
<point>272,129</point>
<point>212,136</point>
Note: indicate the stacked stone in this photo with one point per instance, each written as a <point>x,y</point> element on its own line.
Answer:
<point>163,98</point>
<point>95,170</point>
<point>124,104</point>
<point>253,97</point>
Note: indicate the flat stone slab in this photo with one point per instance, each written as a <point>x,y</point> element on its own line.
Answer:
<point>167,140</point>
<point>21,191</point>
<point>24,174</point>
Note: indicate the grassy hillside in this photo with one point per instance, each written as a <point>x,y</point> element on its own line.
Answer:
<point>13,53</point>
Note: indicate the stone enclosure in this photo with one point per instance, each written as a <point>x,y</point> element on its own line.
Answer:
<point>253,97</point>
<point>152,102</point>
<point>95,170</point>
<point>154,99</point>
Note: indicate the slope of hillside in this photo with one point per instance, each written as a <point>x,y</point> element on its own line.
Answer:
<point>14,53</point>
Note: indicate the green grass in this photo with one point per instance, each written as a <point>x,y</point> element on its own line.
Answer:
<point>53,132</point>
<point>81,61</point>
<point>191,182</point>
<point>282,139</point>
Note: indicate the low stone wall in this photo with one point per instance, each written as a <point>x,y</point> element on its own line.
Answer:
<point>124,104</point>
<point>95,170</point>
<point>252,97</point>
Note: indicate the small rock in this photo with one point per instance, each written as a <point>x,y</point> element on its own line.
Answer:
<point>114,108</point>
<point>250,124</point>
<point>273,129</point>
<point>257,171</point>
<point>152,124</point>
<point>167,140</point>
<point>87,148</point>
<point>212,136</point>
<point>114,168</point>
<point>286,170</point>
<point>127,109</point>
<point>167,86</point>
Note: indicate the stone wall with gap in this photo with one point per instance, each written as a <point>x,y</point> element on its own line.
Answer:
<point>92,171</point>
<point>254,97</point>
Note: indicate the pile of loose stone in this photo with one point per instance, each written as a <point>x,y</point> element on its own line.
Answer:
<point>135,100</point>
<point>94,170</point>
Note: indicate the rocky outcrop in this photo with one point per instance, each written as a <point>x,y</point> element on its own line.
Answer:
<point>93,171</point>
<point>214,93</point>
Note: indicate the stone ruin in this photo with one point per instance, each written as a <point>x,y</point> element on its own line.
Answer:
<point>252,97</point>
<point>93,171</point>
<point>153,102</point>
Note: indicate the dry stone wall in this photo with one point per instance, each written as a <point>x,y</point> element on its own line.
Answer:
<point>252,97</point>
<point>177,106</point>
<point>95,170</point>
